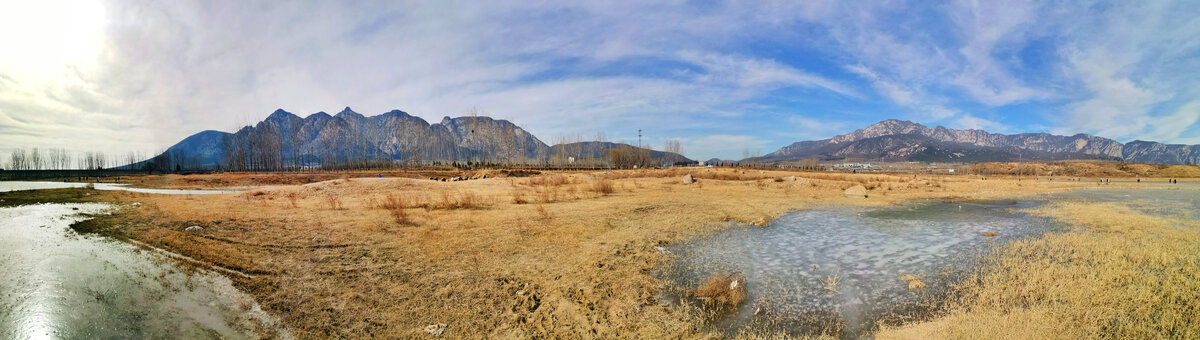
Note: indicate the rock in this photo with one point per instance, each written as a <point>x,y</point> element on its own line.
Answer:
<point>790,179</point>
<point>194,229</point>
<point>857,191</point>
<point>435,329</point>
<point>687,179</point>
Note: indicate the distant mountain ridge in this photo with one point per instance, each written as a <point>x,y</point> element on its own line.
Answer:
<point>285,141</point>
<point>897,140</point>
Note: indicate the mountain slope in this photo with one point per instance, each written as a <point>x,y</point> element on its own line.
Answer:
<point>286,141</point>
<point>897,140</point>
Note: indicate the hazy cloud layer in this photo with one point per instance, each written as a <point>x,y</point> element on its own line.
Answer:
<point>722,77</point>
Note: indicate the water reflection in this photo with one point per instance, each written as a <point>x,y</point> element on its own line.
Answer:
<point>55,283</point>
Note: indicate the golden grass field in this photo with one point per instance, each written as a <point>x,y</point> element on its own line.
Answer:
<point>569,254</point>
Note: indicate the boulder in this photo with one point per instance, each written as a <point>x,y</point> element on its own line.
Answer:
<point>687,179</point>
<point>194,229</point>
<point>857,191</point>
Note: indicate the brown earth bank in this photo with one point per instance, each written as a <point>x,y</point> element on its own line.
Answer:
<point>556,254</point>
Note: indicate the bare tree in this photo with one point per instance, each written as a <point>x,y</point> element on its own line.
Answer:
<point>36,160</point>
<point>17,160</point>
<point>673,149</point>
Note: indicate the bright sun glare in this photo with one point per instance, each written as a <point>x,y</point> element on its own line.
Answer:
<point>43,38</point>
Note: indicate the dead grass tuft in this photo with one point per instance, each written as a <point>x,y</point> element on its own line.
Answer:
<point>602,187</point>
<point>333,201</point>
<point>292,198</point>
<point>548,180</point>
<point>397,205</point>
<point>459,200</point>
<point>721,289</point>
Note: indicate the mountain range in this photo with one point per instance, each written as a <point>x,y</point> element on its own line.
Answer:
<point>897,140</point>
<point>286,141</point>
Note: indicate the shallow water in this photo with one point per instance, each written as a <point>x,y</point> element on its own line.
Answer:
<point>788,265</point>
<point>1182,201</point>
<point>23,185</point>
<point>55,283</point>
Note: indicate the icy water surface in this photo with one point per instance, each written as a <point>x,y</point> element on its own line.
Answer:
<point>22,185</point>
<point>1182,200</point>
<point>55,283</point>
<point>841,270</point>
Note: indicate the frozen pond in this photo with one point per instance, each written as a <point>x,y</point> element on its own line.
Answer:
<point>55,283</point>
<point>21,185</point>
<point>1181,200</point>
<point>841,270</point>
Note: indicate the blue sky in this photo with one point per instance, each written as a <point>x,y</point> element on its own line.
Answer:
<point>722,77</point>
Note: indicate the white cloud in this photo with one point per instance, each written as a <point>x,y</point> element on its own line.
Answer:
<point>754,74</point>
<point>987,26</point>
<point>1133,69</point>
<point>1176,123</point>
<point>169,69</point>
<point>159,71</point>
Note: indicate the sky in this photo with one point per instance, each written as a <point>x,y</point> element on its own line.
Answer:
<point>722,77</point>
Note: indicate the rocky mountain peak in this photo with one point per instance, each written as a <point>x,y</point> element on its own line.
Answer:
<point>904,140</point>
<point>280,115</point>
<point>347,112</point>
<point>883,128</point>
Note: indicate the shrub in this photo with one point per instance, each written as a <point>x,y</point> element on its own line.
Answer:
<point>396,206</point>
<point>463,200</point>
<point>602,187</point>
<point>333,201</point>
<point>550,180</point>
<point>518,197</point>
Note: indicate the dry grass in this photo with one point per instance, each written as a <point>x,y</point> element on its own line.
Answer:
<point>333,201</point>
<point>832,281</point>
<point>1087,169</point>
<point>721,290</point>
<point>397,206</point>
<point>603,187</point>
<point>1120,274</point>
<point>457,200</point>
<point>573,263</point>
<point>292,198</point>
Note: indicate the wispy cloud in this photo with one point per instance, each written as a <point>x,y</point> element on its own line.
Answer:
<point>150,73</point>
